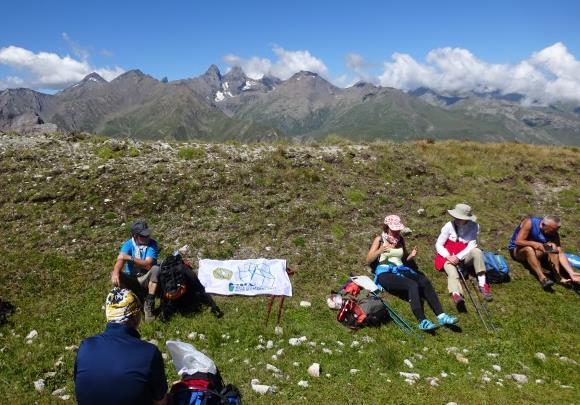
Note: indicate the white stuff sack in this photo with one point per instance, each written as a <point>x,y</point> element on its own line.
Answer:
<point>188,360</point>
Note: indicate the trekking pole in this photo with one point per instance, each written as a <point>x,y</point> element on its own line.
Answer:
<point>484,306</point>
<point>398,319</point>
<point>459,270</point>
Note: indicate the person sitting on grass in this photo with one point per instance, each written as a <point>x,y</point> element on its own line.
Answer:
<point>116,366</point>
<point>392,265</point>
<point>536,243</point>
<point>138,261</point>
<point>457,248</point>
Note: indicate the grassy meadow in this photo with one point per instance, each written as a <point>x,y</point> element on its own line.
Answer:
<point>67,202</point>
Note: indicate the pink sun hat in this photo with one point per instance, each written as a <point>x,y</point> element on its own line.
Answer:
<point>394,223</point>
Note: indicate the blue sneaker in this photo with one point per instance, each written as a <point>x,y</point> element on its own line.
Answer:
<point>427,325</point>
<point>445,319</point>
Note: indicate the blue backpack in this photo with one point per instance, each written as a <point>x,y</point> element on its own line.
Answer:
<point>496,268</point>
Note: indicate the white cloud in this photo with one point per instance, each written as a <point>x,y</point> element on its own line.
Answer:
<point>45,70</point>
<point>357,64</point>
<point>77,49</point>
<point>287,63</point>
<point>548,75</point>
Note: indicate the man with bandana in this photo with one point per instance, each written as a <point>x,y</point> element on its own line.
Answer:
<point>116,366</point>
<point>136,266</point>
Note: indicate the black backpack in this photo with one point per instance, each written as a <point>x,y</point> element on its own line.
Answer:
<point>172,278</point>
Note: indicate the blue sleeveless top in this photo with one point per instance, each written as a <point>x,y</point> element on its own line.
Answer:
<point>535,234</point>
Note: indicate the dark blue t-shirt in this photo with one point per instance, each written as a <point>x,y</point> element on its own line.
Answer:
<point>117,367</point>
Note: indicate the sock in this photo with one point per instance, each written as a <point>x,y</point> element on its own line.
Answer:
<point>481,279</point>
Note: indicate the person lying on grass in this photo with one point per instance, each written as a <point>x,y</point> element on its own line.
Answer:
<point>456,249</point>
<point>536,243</point>
<point>392,265</point>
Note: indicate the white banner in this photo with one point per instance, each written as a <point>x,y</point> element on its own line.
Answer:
<point>245,277</point>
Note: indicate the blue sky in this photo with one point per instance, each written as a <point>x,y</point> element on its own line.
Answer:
<point>180,39</point>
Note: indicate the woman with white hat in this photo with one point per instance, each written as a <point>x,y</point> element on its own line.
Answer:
<point>457,247</point>
<point>388,257</point>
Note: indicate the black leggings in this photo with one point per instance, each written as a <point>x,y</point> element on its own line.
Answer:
<point>416,285</point>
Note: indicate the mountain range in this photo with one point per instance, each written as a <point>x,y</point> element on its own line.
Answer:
<point>233,106</point>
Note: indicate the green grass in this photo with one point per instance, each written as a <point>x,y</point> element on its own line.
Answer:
<point>315,206</point>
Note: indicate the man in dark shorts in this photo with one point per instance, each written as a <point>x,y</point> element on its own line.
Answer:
<point>536,243</point>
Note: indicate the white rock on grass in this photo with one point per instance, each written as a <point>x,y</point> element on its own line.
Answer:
<point>567,360</point>
<point>410,376</point>
<point>433,381</point>
<point>539,381</point>
<point>408,363</point>
<point>71,348</point>
<point>261,388</point>
<point>355,343</point>
<point>49,374</point>
<point>278,331</point>
<point>280,352</point>
<point>314,370</point>
<point>327,351</point>
<point>59,392</point>
<point>39,385</point>
<point>496,367</point>
<point>274,357</point>
<point>444,374</point>
<point>260,347</point>
<point>296,364</point>
<point>566,386</point>
<point>303,339</point>
<point>303,384</point>
<point>273,369</point>
<point>33,334</point>
<point>451,349</point>
<point>294,342</point>
<point>305,304</point>
<point>485,379</point>
<point>462,359</point>
<point>492,355</point>
<point>338,342</point>
<point>520,378</point>
<point>367,339</point>
<point>201,336</point>
<point>540,356</point>
<point>269,344</point>
<point>354,370</point>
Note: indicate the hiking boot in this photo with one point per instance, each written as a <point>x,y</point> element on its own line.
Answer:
<point>445,319</point>
<point>148,309</point>
<point>217,312</point>
<point>485,290</point>
<point>427,325</point>
<point>458,301</point>
<point>546,284</point>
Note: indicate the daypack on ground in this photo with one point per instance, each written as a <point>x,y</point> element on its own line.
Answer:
<point>360,311</point>
<point>172,279</point>
<point>496,268</point>
<point>204,389</point>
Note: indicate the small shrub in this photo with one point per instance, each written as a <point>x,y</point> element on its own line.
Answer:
<point>191,153</point>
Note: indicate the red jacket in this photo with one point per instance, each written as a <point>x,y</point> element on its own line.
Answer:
<point>453,247</point>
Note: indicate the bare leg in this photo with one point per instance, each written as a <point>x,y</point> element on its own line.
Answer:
<point>575,277</point>
<point>528,255</point>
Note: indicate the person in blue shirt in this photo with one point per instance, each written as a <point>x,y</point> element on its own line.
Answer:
<point>536,243</point>
<point>116,366</point>
<point>136,266</point>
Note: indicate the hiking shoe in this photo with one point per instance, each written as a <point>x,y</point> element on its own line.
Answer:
<point>427,325</point>
<point>458,301</point>
<point>445,319</point>
<point>546,284</point>
<point>485,290</point>
<point>217,312</point>
<point>148,309</point>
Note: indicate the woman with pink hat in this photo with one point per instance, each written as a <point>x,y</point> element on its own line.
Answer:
<point>396,272</point>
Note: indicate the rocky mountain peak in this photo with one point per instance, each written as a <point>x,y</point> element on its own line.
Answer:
<point>93,77</point>
<point>213,72</point>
